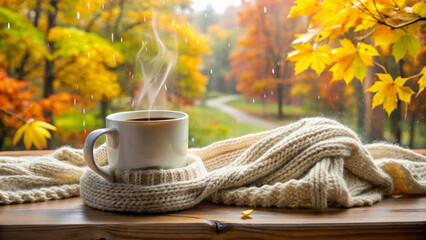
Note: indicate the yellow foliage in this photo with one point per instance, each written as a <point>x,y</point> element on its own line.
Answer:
<point>305,55</point>
<point>35,133</point>
<point>83,62</point>
<point>422,81</point>
<point>387,89</point>
<point>352,62</point>
<point>304,8</point>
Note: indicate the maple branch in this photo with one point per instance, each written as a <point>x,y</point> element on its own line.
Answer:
<point>10,113</point>
<point>403,24</point>
<point>368,11</point>
<point>92,22</point>
<point>130,26</point>
<point>414,76</point>
<point>377,10</point>
<point>381,66</point>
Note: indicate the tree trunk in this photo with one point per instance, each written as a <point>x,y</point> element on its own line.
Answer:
<point>280,100</point>
<point>3,134</point>
<point>49,69</point>
<point>396,116</point>
<point>412,129</point>
<point>359,91</point>
<point>374,122</point>
<point>280,88</point>
<point>104,109</point>
<point>20,71</point>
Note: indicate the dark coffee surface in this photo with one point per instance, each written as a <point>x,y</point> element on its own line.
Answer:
<point>152,119</point>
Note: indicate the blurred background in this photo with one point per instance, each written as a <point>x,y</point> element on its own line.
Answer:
<point>73,62</point>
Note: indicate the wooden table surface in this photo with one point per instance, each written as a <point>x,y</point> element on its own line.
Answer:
<point>396,217</point>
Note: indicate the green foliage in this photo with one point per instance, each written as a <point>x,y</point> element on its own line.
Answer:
<point>17,36</point>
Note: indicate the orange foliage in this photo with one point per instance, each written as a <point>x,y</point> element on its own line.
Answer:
<point>18,97</point>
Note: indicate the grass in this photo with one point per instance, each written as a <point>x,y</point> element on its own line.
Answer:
<point>75,122</point>
<point>259,108</point>
<point>208,125</point>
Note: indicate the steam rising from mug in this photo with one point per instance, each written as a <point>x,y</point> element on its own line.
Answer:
<point>155,71</point>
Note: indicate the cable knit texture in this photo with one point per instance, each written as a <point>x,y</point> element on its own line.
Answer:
<point>312,163</point>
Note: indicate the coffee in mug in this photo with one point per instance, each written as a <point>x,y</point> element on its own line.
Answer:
<point>141,140</point>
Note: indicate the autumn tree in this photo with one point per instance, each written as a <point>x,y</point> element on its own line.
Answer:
<point>21,112</point>
<point>258,64</point>
<point>360,27</point>
<point>71,58</point>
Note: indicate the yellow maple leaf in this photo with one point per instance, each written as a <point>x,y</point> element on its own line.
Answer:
<point>352,62</point>
<point>383,35</point>
<point>34,132</point>
<point>422,81</point>
<point>305,55</point>
<point>388,91</point>
<point>246,213</point>
<point>304,8</point>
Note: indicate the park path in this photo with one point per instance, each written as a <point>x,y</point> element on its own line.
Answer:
<point>220,104</point>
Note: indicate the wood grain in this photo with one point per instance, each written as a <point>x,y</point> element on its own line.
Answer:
<point>396,217</point>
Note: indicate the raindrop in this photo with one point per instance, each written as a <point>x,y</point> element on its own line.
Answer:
<point>75,101</point>
<point>319,97</point>
<point>272,93</point>
<point>77,87</point>
<point>273,71</point>
<point>112,37</point>
<point>186,40</point>
<point>113,58</point>
<point>78,15</point>
<point>192,139</point>
<point>88,4</point>
<point>211,71</point>
<point>254,100</point>
<point>84,123</point>
<point>88,54</point>
<point>8,25</point>
<point>188,24</point>
<point>165,87</point>
<point>103,6</point>
<point>144,19</point>
<point>177,25</point>
<point>278,63</point>
<point>205,15</point>
<point>84,110</point>
<point>121,39</point>
<point>264,95</point>
<point>173,22</point>
<point>91,96</point>
<point>264,10</point>
<point>198,42</point>
<point>229,44</point>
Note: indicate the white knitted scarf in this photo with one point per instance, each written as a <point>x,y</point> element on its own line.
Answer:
<point>312,163</point>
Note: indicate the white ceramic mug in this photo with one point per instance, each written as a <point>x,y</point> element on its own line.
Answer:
<point>139,144</point>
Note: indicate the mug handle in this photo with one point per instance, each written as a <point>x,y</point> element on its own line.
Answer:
<point>88,151</point>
